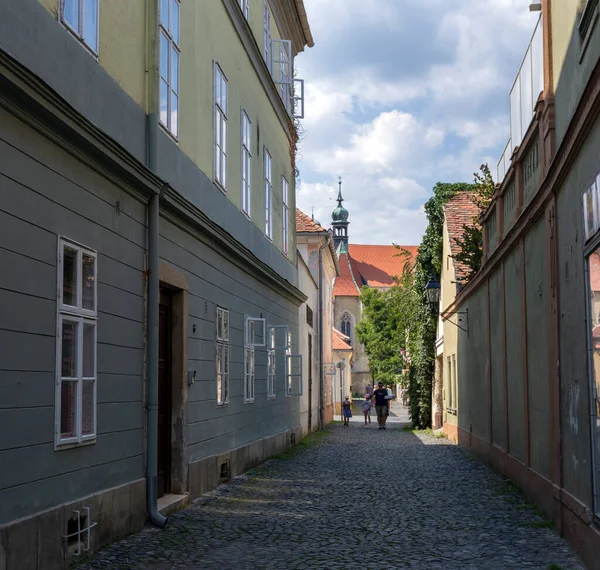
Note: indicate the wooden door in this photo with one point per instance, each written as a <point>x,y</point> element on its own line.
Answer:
<point>164,394</point>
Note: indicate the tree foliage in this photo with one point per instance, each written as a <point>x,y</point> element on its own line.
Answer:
<point>382,330</point>
<point>470,244</point>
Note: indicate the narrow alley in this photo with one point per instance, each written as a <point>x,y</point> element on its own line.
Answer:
<point>354,497</point>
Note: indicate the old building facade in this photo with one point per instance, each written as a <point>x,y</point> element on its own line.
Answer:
<point>147,215</point>
<point>527,373</point>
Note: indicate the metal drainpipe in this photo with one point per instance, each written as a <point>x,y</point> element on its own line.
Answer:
<point>321,383</point>
<point>152,366</point>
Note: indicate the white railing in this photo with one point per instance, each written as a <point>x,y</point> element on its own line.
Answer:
<point>504,162</point>
<point>524,94</point>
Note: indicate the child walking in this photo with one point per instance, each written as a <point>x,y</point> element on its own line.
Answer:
<point>347,410</point>
<point>366,408</point>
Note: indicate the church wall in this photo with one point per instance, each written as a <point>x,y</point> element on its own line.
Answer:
<point>361,375</point>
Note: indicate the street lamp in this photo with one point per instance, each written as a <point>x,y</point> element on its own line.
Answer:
<point>432,289</point>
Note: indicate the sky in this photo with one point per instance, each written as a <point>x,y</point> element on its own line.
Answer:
<point>399,95</point>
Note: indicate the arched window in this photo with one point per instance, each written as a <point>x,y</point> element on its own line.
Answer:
<point>346,326</point>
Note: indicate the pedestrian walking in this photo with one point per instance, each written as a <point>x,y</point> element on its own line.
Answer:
<point>366,408</point>
<point>404,395</point>
<point>369,390</point>
<point>381,405</point>
<point>347,410</point>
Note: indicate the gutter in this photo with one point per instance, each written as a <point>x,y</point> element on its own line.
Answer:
<point>153,290</point>
<point>152,367</point>
<point>310,42</point>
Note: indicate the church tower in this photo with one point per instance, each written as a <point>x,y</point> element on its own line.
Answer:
<point>340,223</point>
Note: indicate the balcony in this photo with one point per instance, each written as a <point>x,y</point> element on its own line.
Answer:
<point>526,89</point>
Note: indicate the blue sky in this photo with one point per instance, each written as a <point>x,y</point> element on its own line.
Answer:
<point>401,94</point>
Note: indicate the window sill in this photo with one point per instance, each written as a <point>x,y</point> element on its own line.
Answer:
<point>80,40</point>
<point>72,444</point>
<point>249,401</point>
<point>166,130</point>
<point>247,214</point>
<point>220,186</point>
<point>223,405</point>
<point>271,397</point>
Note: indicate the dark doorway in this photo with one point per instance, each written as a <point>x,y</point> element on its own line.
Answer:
<point>164,394</point>
<point>310,384</point>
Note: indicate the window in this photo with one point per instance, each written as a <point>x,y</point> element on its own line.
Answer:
<point>245,6</point>
<point>271,365</point>
<point>293,370</point>
<point>454,384</point>
<point>593,278</point>
<point>268,196</point>
<point>254,335</point>
<point>309,316</point>
<point>286,216</point>
<point>220,127</point>
<point>76,345</point>
<point>246,163</point>
<point>346,326</point>
<point>81,18</point>
<point>222,353</point>
<point>449,383</point>
<point>267,33</point>
<point>169,65</point>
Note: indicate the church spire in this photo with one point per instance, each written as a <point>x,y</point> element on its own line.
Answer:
<point>339,219</point>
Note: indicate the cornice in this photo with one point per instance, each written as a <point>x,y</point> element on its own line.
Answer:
<point>288,22</point>
<point>26,96</point>
<point>255,55</point>
<point>188,217</point>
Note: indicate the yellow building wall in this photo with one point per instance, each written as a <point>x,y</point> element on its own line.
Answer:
<point>564,21</point>
<point>450,331</point>
<point>207,35</point>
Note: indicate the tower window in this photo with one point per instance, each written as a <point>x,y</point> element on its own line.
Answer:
<point>346,327</point>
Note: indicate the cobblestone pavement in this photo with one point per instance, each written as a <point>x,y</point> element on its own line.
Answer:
<point>321,507</point>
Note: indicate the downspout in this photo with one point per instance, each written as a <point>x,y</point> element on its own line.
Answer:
<point>321,380</point>
<point>153,298</point>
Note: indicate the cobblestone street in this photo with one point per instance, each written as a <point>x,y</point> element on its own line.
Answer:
<point>354,497</point>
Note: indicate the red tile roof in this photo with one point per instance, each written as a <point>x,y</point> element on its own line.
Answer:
<point>378,264</point>
<point>340,341</point>
<point>305,223</point>
<point>346,284</point>
<point>458,211</point>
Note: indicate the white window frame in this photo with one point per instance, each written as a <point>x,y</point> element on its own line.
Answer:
<point>297,99</point>
<point>253,339</point>
<point>290,375</point>
<point>78,33</point>
<point>267,33</point>
<point>249,375</point>
<point>246,166</point>
<point>222,354</point>
<point>285,223</point>
<point>77,314</point>
<point>220,130</point>
<point>281,69</point>
<point>245,7</point>
<point>271,364</point>
<point>167,76</point>
<point>268,169</point>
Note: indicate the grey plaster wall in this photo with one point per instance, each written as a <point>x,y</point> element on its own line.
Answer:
<point>536,297</point>
<point>514,355</point>
<point>574,327</point>
<point>45,193</point>
<point>577,68</point>
<point>497,361</point>
<point>215,281</point>
<point>472,359</point>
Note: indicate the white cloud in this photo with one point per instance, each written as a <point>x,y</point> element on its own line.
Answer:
<point>401,95</point>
